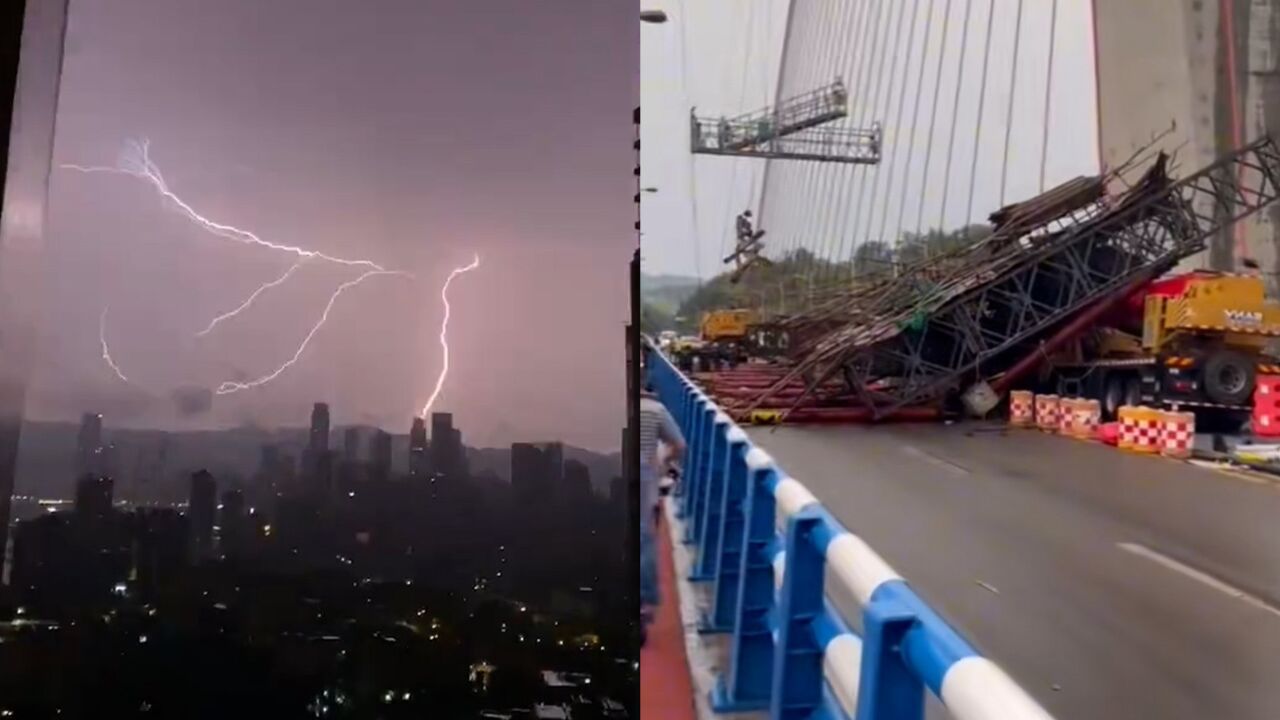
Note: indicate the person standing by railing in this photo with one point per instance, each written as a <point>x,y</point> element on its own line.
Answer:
<point>658,431</point>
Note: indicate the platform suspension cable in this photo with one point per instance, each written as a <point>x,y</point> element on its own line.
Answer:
<point>1013,89</point>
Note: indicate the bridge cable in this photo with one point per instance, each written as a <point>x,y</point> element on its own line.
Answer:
<point>897,121</point>
<point>874,173</point>
<point>892,122</point>
<point>1013,89</point>
<point>862,67</point>
<point>915,122</point>
<point>977,130</point>
<point>955,116</point>
<point>1048,91</point>
<point>814,173</point>
<point>802,225</point>
<point>796,76</point>
<point>827,212</point>
<point>851,225</point>
<point>933,120</point>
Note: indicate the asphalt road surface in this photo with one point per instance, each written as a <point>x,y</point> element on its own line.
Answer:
<point>1110,585</point>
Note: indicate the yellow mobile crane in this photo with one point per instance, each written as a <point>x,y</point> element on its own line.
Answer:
<point>1196,340</point>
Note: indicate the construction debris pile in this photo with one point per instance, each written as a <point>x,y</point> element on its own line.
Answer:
<point>918,338</point>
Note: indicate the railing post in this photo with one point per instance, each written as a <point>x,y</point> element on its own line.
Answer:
<point>732,530</point>
<point>702,472</point>
<point>746,685</point>
<point>797,658</point>
<point>707,523</point>
<point>693,474</point>
<point>887,688</point>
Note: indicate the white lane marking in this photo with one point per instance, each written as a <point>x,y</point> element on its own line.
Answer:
<point>1198,575</point>
<point>935,460</point>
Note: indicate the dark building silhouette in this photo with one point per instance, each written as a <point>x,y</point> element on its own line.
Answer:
<point>319,438</point>
<point>577,481</point>
<point>200,513</point>
<point>45,567</point>
<point>554,453</point>
<point>380,463</point>
<point>447,457</point>
<point>232,522</point>
<point>351,444</point>
<point>160,548</point>
<point>528,472</point>
<point>419,459</point>
<point>89,445</point>
<point>94,497</point>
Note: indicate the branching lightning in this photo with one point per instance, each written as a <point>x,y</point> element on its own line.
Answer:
<point>245,305</point>
<point>444,332</point>
<point>229,387</point>
<point>136,161</point>
<point>106,351</point>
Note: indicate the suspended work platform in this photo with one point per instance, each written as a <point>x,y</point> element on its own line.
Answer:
<point>790,131</point>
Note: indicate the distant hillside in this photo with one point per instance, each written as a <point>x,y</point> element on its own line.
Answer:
<point>666,292</point>
<point>46,457</point>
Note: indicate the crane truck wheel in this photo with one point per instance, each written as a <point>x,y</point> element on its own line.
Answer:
<point>1113,396</point>
<point>1228,377</point>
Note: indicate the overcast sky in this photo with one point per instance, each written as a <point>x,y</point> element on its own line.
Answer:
<point>413,133</point>
<point>722,56</point>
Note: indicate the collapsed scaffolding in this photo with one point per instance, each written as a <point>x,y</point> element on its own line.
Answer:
<point>963,326</point>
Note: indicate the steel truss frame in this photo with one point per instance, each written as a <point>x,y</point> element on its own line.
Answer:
<point>1071,270</point>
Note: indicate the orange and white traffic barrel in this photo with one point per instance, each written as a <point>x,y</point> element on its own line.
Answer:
<point>1087,418</point>
<point>1147,427</point>
<point>1066,414</point>
<point>1021,408</point>
<point>1047,411</point>
<point>1128,424</point>
<point>1177,434</point>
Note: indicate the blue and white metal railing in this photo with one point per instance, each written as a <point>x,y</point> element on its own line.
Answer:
<point>792,652</point>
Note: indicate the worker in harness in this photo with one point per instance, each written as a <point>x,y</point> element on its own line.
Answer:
<point>749,247</point>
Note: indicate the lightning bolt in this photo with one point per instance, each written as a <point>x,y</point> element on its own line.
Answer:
<point>229,387</point>
<point>245,305</point>
<point>136,161</point>
<point>106,351</point>
<point>444,332</point>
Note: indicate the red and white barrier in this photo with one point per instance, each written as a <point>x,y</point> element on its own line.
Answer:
<point>1047,412</point>
<point>1177,434</point>
<point>1022,409</point>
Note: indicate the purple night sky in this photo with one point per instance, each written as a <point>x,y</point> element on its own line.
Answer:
<point>413,133</point>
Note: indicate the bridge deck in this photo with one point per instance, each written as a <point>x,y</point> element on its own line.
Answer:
<point>1102,581</point>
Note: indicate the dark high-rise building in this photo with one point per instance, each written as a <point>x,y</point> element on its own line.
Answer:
<point>161,548</point>
<point>351,444</point>
<point>419,460</point>
<point>94,497</point>
<point>381,461</point>
<point>528,472</point>
<point>554,452</point>
<point>232,522</point>
<point>447,456</point>
<point>200,511</point>
<point>318,442</point>
<point>269,461</point>
<point>577,481</point>
<point>89,445</point>
<point>45,568</point>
